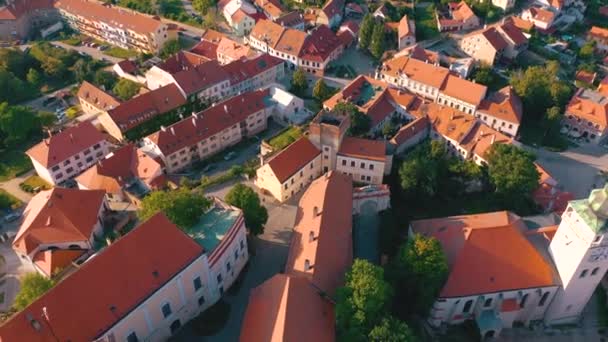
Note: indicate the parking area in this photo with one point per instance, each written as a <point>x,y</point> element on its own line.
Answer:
<point>94,52</point>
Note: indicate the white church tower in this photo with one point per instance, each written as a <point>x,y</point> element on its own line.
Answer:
<point>580,252</point>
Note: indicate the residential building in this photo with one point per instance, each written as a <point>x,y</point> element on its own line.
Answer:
<point>320,253</point>
<point>502,111</point>
<point>364,160</point>
<point>541,18</point>
<point>433,82</point>
<point>94,100</point>
<point>331,13</point>
<point>68,153</point>
<point>125,175</point>
<point>129,70</point>
<point>354,10</point>
<point>567,261</point>
<point>455,17</point>
<point>59,226</point>
<point>289,109</point>
<point>406,33</point>
<point>272,9</point>
<point>587,115</point>
<point>381,13</point>
<point>348,33</point>
<point>229,51</point>
<point>410,135</point>
<point>493,43</point>
<point>133,113</point>
<point>177,277</point>
<point>211,131</point>
<point>294,20</point>
<point>117,26</point>
<point>240,15</point>
<point>19,19</point>
<point>585,77</point>
<point>600,37</point>
<point>310,51</point>
<point>504,5</point>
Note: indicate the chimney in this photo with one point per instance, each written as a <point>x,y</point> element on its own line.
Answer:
<point>315,211</point>
<point>172,131</point>
<point>71,137</point>
<point>163,128</point>
<point>226,109</point>
<point>311,236</point>
<point>493,139</point>
<point>194,121</point>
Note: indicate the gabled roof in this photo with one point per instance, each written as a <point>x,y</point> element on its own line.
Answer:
<point>122,276</point>
<point>127,66</point>
<point>589,105</point>
<point>417,70</point>
<point>243,69</point>
<point>513,32</point>
<point>494,38</point>
<point>184,60</point>
<point>503,104</point>
<point>205,48</point>
<point>598,32</point>
<point>52,217</point>
<point>406,27</point>
<point>99,98</point>
<point>363,149</point>
<point>146,106</point>
<point>323,233</point>
<point>200,77</point>
<point>333,8</point>
<point>63,145</point>
<point>294,157</point>
<point>410,130</point>
<point>461,11</point>
<point>281,306</point>
<point>481,138</point>
<point>447,121</point>
<point>291,42</point>
<point>267,31</point>
<point>19,8</point>
<point>272,7</point>
<point>320,43</point>
<point>541,14</point>
<point>487,253</point>
<point>290,19</point>
<point>465,90</point>
<point>212,36</point>
<point>232,49</point>
<point>51,261</point>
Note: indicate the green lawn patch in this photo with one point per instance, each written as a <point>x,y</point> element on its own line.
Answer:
<point>117,52</point>
<point>32,183</point>
<point>8,201</point>
<point>74,41</point>
<point>13,163</point>
<point>426,23</point>
<point>285,137</point>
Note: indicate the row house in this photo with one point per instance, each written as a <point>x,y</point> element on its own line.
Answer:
<point>491,44</point>
<point>432,82</point>
<point>272,9</point>
<point>68,153</point>
<point>293,20</point>
<point>93,100</point>
<point>586,115</point>
<point>240,15</point>
<point>19,19</point>
<point>456,16</point>
<point>135,112</point>
<point>331,14</point>
<point>118,26</point>
<point>541,18</point>
<point>211,131</point>
<point>59,226</point>
<point>309,51</point>
<point>364,160</point>
<point>178,276</point>
<point>502,111</point>
<point>406,33</point>
<point>599,35</point>
<point>229,51</point>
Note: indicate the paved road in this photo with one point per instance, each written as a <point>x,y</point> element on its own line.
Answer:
<point>12,187</point>
<point>93,52</point>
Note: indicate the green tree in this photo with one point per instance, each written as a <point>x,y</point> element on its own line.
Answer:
<point>243,197</point>
<point>321,91</point>
<point>484,75</point>
<point>359,122</point>
<point>170,48</point>
<point>16,61</point>
<point>33,77</point>
<point>421,173</point>
<point>33,285</point>
<point>211,19</point>
<point>202,6</point>
<point>376,47</point>
<point>551,121</point>
<point>104,79</point>
<point>366,30</point>
<point>298,82</point>
<point>362,302</point>
<point>182,206</point>
<point>54,67</point>
<point>13,90</point>
<point>83,70</point>
<point>46,119</point>
<point>17,123</point>
<point>125,89</point>
<point>586,52</point>
<point>512,171</point>
<point>418,272</point>
<point>391,329</point>
<point>389,129</point>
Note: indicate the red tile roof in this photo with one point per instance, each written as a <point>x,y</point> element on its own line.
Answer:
<point>247,68</point>
<point>52,217</point>
<point>363,149</point>
<point>294,157</point>
<point>127,66</point>
<point>184,60</point>
<point>122,276</point>
<point>212,36</point>
<point>589,105</point>
<point>290,19</point>
<point>97,97</point>
<point>127,19</point>
<point>333,8</point>
<point>20,7</point>
<point>319,45</point>
<point>325,213</point>
<point>280,307</point>
<point>144,107</point>
<point>65,144</point>
<point>513,32</point>
<point>406,28</point>
<point>51,261</point>
<point>487,253</point>
<point>598,32</point>
<point>206,49</point>
<point>232,49</point>
<point>585,76</point>
<point>410,130</point>
<point>465,90</point>
<point>495,39</point>
<point>503,104</point>
<point>200,77</point>
<point>191,130</point>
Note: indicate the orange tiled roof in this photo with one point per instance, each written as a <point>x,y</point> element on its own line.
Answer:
<point>281,306</point>
<point>411,129</point>
<point>122,276</point>
<point>291,42</point>
<point>417,70</point>
<point>589,105</point>
<point>323,233</point>
<point>63,145</point>
<point>447,121</point>
<point>522,24</point>
<point>461,11</point>
<point>487,253</point>
<point>363,149</point>
<point>267,31</point>
<point>99,98</point>
<point>541,14</point>
<point>603,86</point>
<point>406,27</point>
<point>503,104</point>
<point>52,217</point>
<point>465,90</point>
<point>272,7</point>
<point>294,157</point>
<point>585,76</point>
<point>598,32</point>
<point>212,36</point>
<point>481,138</point>
<point>333,8</point>
<point>232,49</point>
<point>51,261</point>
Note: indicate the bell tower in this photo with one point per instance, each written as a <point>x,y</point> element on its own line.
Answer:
<point>580,252</point>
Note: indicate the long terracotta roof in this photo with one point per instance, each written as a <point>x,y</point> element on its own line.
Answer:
<point>294,157</point>
<point>52,217</point>
<point>247,68</point>
<point>410,130</point>
<point>184,60</point>
<point>232,49</point>
<point>417,70</point>
<point>122,276</point>
<point>96,96</point>
<point>200,77</point>
<point>487,253</point>
<point>144,107</point>
<point>320,44</point>
<point>503,104</point>
<point>63,145</point>
<point>363,149</point>
<point>267,31</point>
<point>114,16</point>
<point>323,233</point>
<point>19,8</point>
<point>287,308</point>
<point>465,90</point>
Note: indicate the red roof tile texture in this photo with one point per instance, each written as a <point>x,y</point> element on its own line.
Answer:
<point>294,157</point>
<point>363,149</point>
<point>97,97</point>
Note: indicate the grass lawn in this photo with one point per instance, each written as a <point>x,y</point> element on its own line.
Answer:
<point>426,24</point>
<point>8,201</point>
<point>36,182</point>
<point>12,163</point>
<point>285,137</point>
<point>74,41</point>
<point>117,52</point>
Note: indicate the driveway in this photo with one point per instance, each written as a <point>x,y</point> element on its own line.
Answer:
<point>12,187</point>
<point>93,52</point>
<point>577,169</point>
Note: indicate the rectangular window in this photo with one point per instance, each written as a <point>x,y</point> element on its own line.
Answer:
<point>285,186</point>
<point>343,162</point>
<point>583,274</point>
<point>87,151</point>
<point>132,337</point>
<point>236,254</point>
<point>197,283</point>
<point>201,300</point>
<point>96,147</point>
<point>69,170</point>
<point>55,168</point>
<point>228,267</point>
<point>352,164</point>
<point>363,165</point>
<point>166,309</point>
<point>371,166</point>
<point>219,278</point>
<point>488,302</point>
<point>467,306</point>
<point>242,245</point>
<point>67,162</point>
<point>595,270</point>
<point>89,159</point>
<point>362,177</point>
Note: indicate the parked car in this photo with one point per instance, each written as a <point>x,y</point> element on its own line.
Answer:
<point>48,101</point>
<point>12,217</point>
<point>229,156</point>
<point>102,48</point>
<point>82,53</point>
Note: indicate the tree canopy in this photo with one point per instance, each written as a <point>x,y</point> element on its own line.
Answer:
<point>33,285</point>
<point>298,82</point>
<point>245,198</point>
<point>377,43</point>
<point>182,206</point>
<point>170,48</point>
<point>418,272</point>
<point>321,91</point>
<point>105,79</point>
<point>125,89</point>
<point>359,122</point>
<point>390,329</point>
<point>512,171</point>
<point>17,124</point>
<point>366,30</point>
<point>202,6</point>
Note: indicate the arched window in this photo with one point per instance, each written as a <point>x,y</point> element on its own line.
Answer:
<point>543,299</point>
<point>522,304</point>
<point>467,306</point>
